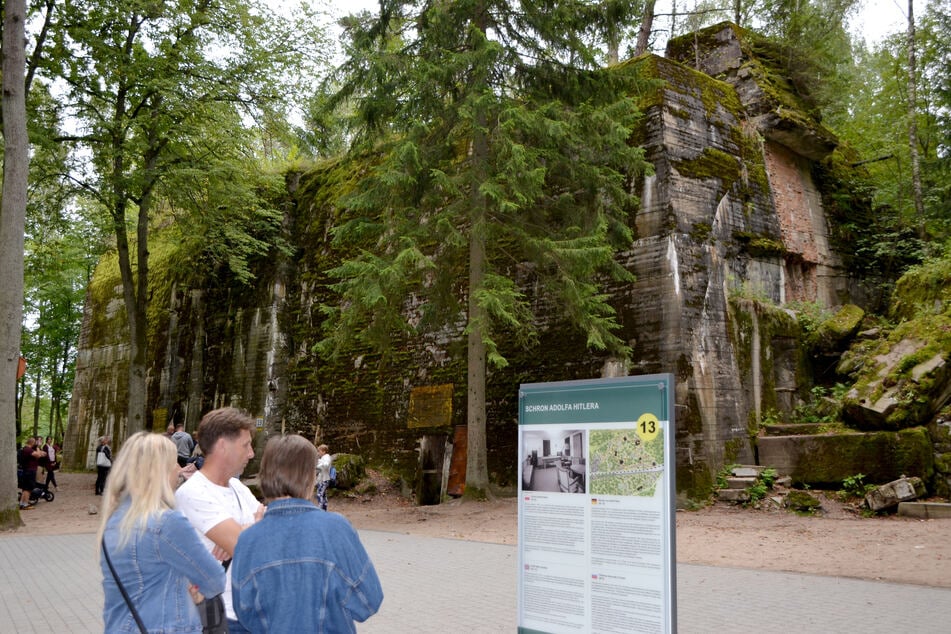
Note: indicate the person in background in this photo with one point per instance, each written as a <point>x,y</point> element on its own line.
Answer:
<point>213,499</point>
<point>156,554</point>
<point>299,569</point>
<point>29,462</point>
<point>183,440</point>
<point>52,464</point>
<point>324,462</point>
<point>103,464</point>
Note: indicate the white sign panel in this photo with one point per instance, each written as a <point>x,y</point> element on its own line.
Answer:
<point>596,506</point>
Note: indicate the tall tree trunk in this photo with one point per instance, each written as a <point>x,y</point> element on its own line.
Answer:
<point>16,166</point>
<point>54,395</point>
<point>61,391</point>
<point>644,32</point>
<point>37,379</point>
<point>477,472</point>
<point>134,283</point>
<point>136,370</point>
<point>20,393</point>
<point>913,124</point>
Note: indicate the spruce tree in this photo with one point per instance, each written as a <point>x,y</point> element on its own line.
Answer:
<point>504,152</point>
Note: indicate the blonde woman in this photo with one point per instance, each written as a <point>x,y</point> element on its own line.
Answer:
<point>156,554</point>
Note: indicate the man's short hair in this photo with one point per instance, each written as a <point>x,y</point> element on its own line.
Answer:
<point>288,468</point>
<point>225,422</point>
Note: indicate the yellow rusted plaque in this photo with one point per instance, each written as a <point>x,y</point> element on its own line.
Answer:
<point>159,419</point>
<point>430,406</point>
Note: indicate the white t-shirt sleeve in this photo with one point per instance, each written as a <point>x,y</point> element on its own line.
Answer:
<point>249,503</point>
<point>201,505</point>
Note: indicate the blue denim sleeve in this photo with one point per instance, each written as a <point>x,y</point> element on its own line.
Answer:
<point>242,589</point>
<point>366,593</point>
<point>187,555</point>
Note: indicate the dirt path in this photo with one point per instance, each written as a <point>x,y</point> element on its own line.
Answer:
<point>843,544</point>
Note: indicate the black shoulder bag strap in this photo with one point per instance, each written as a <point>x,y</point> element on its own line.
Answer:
<point>125,595</point>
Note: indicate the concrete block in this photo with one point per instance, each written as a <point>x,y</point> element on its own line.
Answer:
<point>925,510</point>
<point>792,429</point>
<point>740,482</point>
<point>733,495</point>
<point>889,495</point>
<point>829,459</point>
<point>746,472</point>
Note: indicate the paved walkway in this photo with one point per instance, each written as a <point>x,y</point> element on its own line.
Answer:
<point>52,584</point>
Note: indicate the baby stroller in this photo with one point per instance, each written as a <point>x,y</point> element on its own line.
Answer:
<point>41,491</point>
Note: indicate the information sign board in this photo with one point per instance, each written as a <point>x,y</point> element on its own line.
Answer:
<point>596,504</point>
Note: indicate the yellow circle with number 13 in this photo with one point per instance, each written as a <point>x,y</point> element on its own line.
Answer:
<point>647,427</point>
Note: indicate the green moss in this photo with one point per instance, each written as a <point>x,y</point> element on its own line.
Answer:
<point>760,246</point>
<point>754,181</point>
<point>711,164</point>
<point>700,232</point>
<point>105,286</point>
<point>838,328</point>
<point>686,46</point>
<point>650,93</point>
<point>923,290</point>
<point>802,502</point>
<point>881,456</point>
<point>695,483</point>
<point>772,324</point>
<point>10,519</point>
<point>472,493</point>
<point>732,449</point>
<point>690,420</point>
<point>671,77</point>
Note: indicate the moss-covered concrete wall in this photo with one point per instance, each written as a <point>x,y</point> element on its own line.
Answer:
<point>710,259</point>
<point>829,459</point>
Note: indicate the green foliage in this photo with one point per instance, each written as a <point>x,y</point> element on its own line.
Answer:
<point>763,485</point>
<point>502,185</point>
<point>527,158</point>
<point>757,491</point>
<point>855,486</point>
<point>876,124</point>
<point>818,409</point>
<point>163,94</point>
<point>771,417</point>
<point>725,472</point>
<point>748,291</point>
<point>810,315</point>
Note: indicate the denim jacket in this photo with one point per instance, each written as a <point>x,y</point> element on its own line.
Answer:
<point>156,566</point>
<point>301,569</point>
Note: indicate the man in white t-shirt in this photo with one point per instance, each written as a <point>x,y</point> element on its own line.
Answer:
<point>216,503</point>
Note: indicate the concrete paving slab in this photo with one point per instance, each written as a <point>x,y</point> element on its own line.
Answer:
<point>53,584</point>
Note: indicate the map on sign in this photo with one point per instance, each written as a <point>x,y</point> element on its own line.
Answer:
<point>626,462</point>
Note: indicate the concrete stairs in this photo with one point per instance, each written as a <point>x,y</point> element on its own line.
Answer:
<point>739,481</point>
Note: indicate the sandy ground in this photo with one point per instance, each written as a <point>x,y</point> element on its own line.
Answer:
<point>838,543</point>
